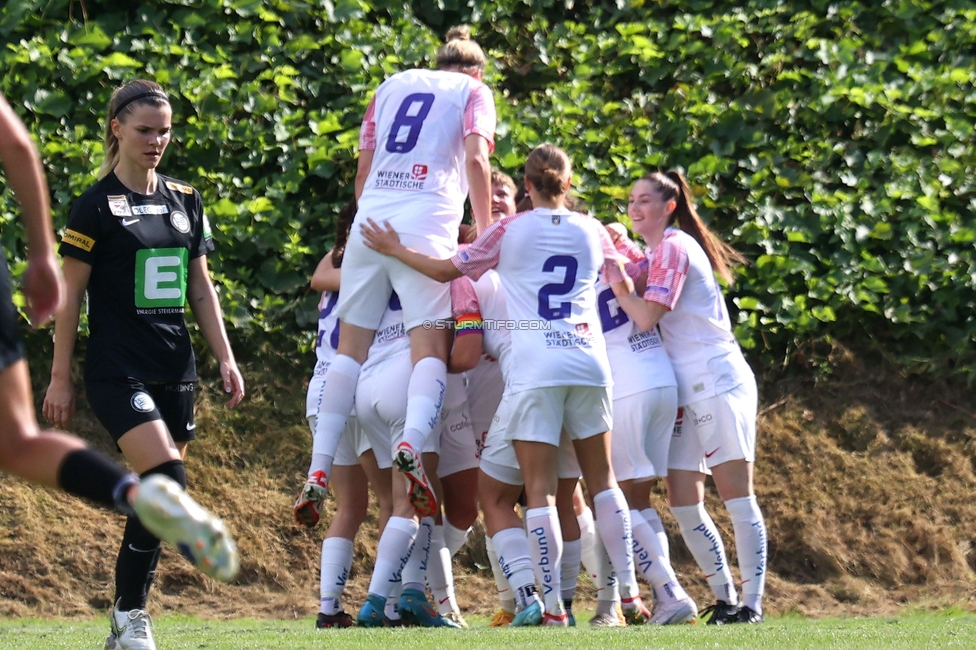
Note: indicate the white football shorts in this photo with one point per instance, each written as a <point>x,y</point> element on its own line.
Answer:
<point>642,428</point>
<point>716,430</point>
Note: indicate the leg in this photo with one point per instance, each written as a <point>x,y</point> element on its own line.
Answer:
<point>49,458</point>
<point>734,482</point>
<point>392,553</point>
<point>335,403</point>
<point>612,520</point>
<point>425,397</point>
<point>460,507</point>
<point>572,545</point>
<point>686,494</point>
<point>498,501</point>
<point>352,498</point>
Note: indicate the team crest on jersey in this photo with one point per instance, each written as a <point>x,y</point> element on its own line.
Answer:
<point>119,206</point>
<point>180,221</point>
<point>179,187</point>
<point>556,219</point>
<point>142,402</point>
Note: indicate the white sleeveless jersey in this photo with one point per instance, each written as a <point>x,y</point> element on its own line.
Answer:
<point>549,262</point>
<point>391,335</point>
<point>638,360</point>
<point>415,125</point>
<point>697,333</point>
<point>326,344</point>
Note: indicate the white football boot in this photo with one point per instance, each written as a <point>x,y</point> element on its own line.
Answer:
<point>131,630</point>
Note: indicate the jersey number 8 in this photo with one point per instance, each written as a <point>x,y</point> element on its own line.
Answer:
<point>409,119</point>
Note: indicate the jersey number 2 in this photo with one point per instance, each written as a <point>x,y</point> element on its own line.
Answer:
<point>562,310</point>
<point>408,121</point>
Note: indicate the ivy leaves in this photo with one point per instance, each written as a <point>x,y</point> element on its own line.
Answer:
<point>832,143</point>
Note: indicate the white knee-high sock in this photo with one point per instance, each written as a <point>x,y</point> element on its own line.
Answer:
<point>390,611</point>
<point>392,553</point>
<point>705,543</point>
<point>653,520</point>
<point>415,570</point>
<point>336,564</point>
<point>454,538</point>
<point>546,549</point>
<point>506,599</point>
<point>569,569</point>
<point>607,587</point>
<point>335,404</point>
<point>440,573</point>
<point>588,541</point>
<point>512,545</point>
<point>750,546</point>
<point>425,397</point>
<point>613,524</point>
<point>650,560</point>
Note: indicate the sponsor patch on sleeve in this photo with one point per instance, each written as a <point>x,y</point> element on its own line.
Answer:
<point>179,187</point>
<point>207,232</point>
<point>78,240</point>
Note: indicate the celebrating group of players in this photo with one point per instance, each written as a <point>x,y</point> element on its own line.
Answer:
<point>495,372</point>
<point>489,376</point>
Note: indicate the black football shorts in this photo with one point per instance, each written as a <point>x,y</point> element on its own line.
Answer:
<point>123,404</point>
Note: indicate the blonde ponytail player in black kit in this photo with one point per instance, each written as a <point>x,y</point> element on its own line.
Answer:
<point>137,242</point>
<point>56,459</point>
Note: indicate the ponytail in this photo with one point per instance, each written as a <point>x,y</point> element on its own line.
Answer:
<point>343,225</point>
<point>124,99</point>
<point>672,185</point>
<point>547,168</point>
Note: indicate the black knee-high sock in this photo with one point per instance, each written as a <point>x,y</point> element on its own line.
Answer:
<point>92,475</point>
<point>135,567</point>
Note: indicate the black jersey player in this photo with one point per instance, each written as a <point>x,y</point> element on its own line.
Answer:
<point>137,242</point>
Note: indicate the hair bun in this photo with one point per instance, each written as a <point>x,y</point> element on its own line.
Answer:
<point>458,33</point>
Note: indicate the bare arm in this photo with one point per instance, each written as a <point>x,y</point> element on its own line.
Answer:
<point>644,313</point>
<point>363,166</point>
<point>210,319</point>
<point>385,240</point>
<point>59,400</point>
<point>478,168</point>
<point>326,276</point>
<point>42,282</point>
<point>466,352</point>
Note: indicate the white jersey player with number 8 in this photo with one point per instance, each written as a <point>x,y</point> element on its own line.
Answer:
<point>549,260</point>
<point>424,147</point>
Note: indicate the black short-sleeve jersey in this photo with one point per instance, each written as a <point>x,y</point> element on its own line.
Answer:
<point>139,247</point>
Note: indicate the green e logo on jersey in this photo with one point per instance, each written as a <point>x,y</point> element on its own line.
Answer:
<point>161,277</point>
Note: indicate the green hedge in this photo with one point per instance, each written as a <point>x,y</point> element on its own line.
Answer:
<point>830,142</point>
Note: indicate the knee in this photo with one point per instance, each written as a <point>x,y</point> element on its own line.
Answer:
<point>174,469</point>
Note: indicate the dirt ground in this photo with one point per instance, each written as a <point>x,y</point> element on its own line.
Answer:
<point>865,477</point>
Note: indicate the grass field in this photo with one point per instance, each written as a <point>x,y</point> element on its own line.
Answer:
<point>177,632</point>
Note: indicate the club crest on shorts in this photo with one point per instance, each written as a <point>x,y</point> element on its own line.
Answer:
<point>142,402</point>
<point>180,221</point>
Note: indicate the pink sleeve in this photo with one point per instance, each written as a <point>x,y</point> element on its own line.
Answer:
<point>612,260</point>
<point>464,300</point>
<point>667,273</point>
<point>479,115</point>
<point>483,254</point>
<point>367,132</point>
<point>630,250</point>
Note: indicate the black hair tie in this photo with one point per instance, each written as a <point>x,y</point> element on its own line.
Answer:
<point>135,98</point>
